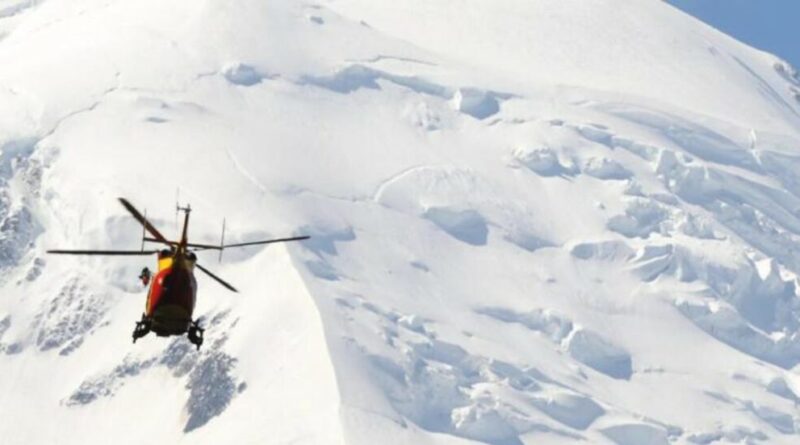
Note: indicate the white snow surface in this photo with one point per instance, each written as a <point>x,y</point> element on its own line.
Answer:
<point>533,222</point>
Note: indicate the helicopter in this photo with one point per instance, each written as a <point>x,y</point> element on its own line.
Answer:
<point>173,289</point>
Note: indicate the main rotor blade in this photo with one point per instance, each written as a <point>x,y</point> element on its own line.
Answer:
<point>279,240</point>
<point>153,240</point>
<point>150,228</point>
<point>203,246</point>
<point>103,252</point>
<point>175,243</point>
<point>218,279</point>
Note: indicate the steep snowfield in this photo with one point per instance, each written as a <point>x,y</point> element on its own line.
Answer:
<point>543,222</point>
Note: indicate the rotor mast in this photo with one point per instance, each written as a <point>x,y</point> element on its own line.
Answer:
<point>185,234</point>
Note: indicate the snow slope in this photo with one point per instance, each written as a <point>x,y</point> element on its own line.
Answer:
<point>545,221</point>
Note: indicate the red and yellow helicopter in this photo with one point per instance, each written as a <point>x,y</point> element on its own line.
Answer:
<point>173,289</point>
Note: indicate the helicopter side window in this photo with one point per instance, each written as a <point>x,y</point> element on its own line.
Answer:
<point>191,256</point>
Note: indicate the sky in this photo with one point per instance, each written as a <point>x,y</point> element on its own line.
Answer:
<point>771,25</point>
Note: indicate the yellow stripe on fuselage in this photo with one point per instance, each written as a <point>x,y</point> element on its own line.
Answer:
<point>164,263</point>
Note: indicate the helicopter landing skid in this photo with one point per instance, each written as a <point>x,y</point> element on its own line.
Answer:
<point>142,328</point>
<point>195,334</point>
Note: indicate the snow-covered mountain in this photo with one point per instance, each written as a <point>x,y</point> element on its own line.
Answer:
<point>533,221</point>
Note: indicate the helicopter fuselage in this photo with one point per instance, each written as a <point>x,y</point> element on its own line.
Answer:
<point>172,295</point>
